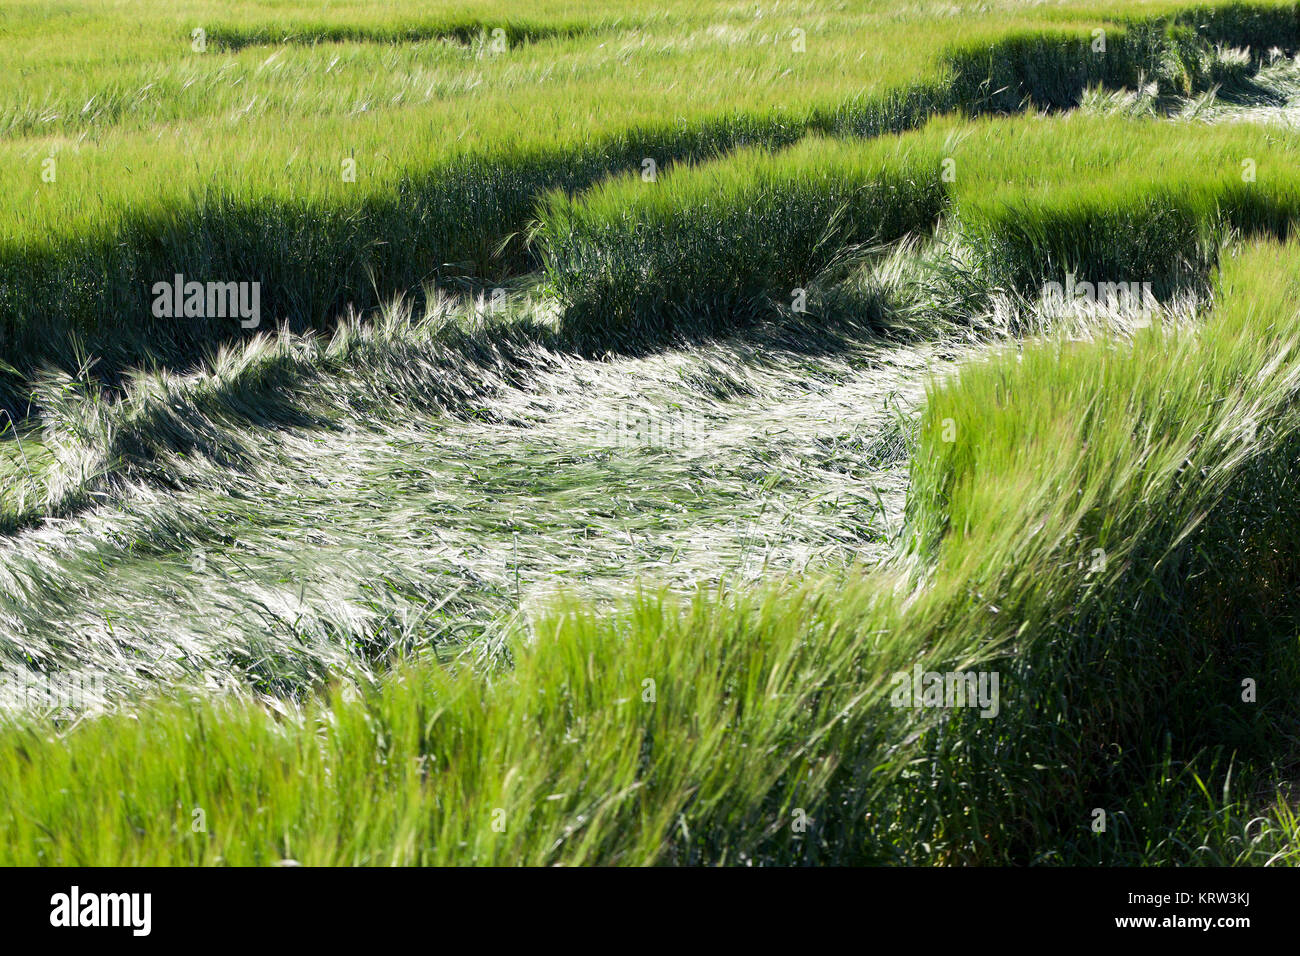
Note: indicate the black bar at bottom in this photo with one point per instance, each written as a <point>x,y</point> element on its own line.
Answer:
<point>577,907</point>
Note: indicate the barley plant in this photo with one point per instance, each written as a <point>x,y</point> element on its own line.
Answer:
<point>582,433</point>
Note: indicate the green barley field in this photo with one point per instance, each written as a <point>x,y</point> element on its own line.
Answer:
<point>829,432</point>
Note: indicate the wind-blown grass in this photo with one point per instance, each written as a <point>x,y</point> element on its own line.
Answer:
<point>1173,455</point>
<point>1107,523</point>
<point>507,471</point>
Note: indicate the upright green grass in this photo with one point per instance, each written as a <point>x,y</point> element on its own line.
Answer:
<point>634,260</point>
<point>227,165</point>
<point>1121,521</point>
<point>1039,200</point>
<point>651,737</point>
<point>505,30</point>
